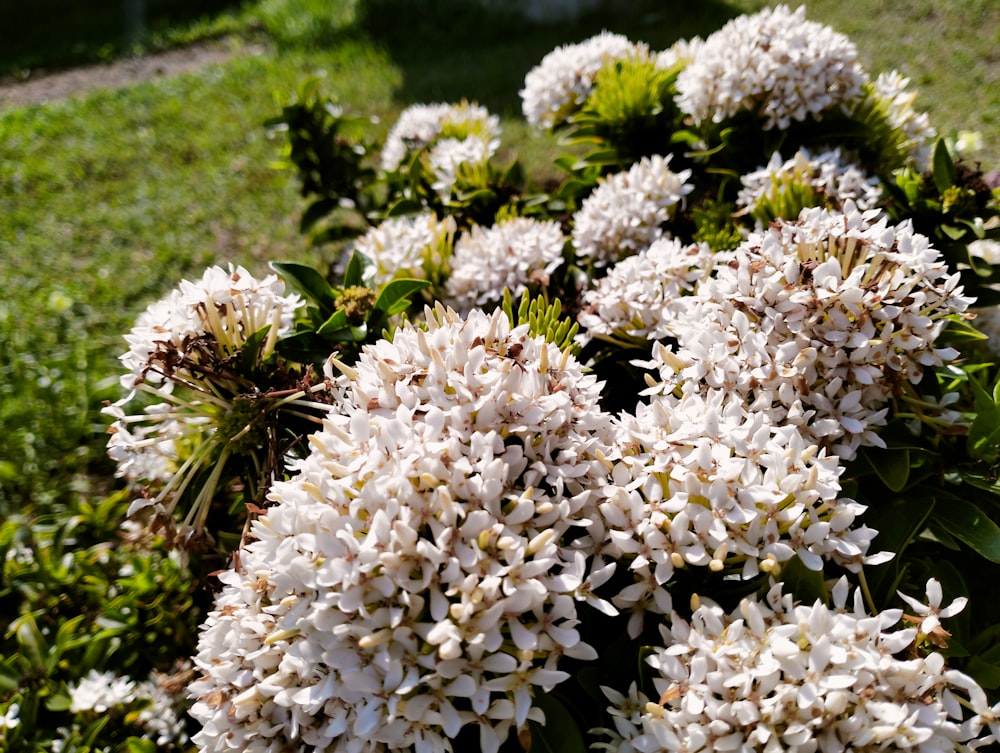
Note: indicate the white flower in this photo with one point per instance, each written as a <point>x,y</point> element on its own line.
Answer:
<point>448,156</point>
<point>777,676</point>
<point>919,135</point>
<point>420,126</point>
<point>557,87</point>
<point>775,64</point>
<point>705,483</point>
<point>11,718</point>
<point>645,295</point>
<point>628,210</point>
<point>826,180</point>
<point>509,255</point>
<point>414,576</point>
<point>101,691</point>
<point>416,247</point>
<point>819,322</point>
<point>931,612</point>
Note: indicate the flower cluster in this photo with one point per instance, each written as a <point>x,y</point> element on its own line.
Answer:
<point>416,247</point>
<point>510,255</point>
<point>776,676</point>
<point>890,89</point>
<point>819,322</point>
<point>415,576</point>
<point>641,296</point>
<point>464,132</point>
<point>628,210</point>
<point>156,705</point>
<point>826,180</point>
<point>774,64</point>
<point>562,81</point>
<point>703,482</point>
<point>181,358</point>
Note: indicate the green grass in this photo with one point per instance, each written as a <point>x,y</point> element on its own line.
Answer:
<point>108,200</point>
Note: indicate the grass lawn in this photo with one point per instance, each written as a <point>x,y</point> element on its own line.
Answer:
<point>108,200</point>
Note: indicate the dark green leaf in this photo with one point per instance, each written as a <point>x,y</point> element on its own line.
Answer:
<point>337,321</point>
<point>898,524</point>
<point>354,274</point>
<point>892,466</point>
<point>944,168</point>
<point>969,524</point>
<point>315,212</point>
<point>983,442</point>
<point>309,282</point>
<point>249,357</point>
<point>986,673</point>
<point>560,733</point>
<point>396,292</point>
<point>9,677</point>
<point>304,347</point>
<point>31,642</point>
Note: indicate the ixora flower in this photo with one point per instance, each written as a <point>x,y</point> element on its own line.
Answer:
<point>557,87</point>
<point>819,322</point>
<point>628,210</point>
<point>704,483</point>
<point>643,296</point>
<point>918,134</point>
<point>775,676</point>
<point>511,255</point>
<point>784,187</point>
<point>421,126</point>
<point>774,64</point>
<point>415,576</point>
<point>417,247</point>
<point>184,358</point>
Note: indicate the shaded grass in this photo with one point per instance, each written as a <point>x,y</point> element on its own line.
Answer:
<point>109,200</point>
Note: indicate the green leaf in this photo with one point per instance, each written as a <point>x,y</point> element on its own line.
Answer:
<point>354,274</point>
<point>315,212</point>
<point>983,442</point>
<point>31,642</point>
<point>249,356</point>
<point>944,167</point>
<point>9,677</point>
<point>898,524</point>
<point>560,733</point>
<point>986,673</point>
<point>972,526</point>
<point>303,347</point>
<point>892,466</point>
<point>309,282</point>
<point>398,292</point>
<point>337,321</point>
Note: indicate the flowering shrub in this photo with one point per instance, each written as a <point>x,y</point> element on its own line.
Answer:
<point>744,375</point>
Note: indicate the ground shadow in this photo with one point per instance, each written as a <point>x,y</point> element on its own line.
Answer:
<point>61,33</point>
<point>450,49</point>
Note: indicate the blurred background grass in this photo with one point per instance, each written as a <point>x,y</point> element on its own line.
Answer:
<point>108,199</point>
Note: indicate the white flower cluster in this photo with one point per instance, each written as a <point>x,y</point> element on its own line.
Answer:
<point>158,703</point>
<point>428,125</point>
<point>819,322</point>
<point>779,677</point>
<point>828,179</point>
<point>417,247</point>
<point>413,577</point>
<point>627,210</point>
<point>775,64</point>
<point>641,296</point>
<point>703,482</point>
<point>557,87</point>
<point>509,255</point>
<point>891,89</point>
<point>198,324</point>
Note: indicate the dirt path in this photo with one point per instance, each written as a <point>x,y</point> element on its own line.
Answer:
<point>52,87</point>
